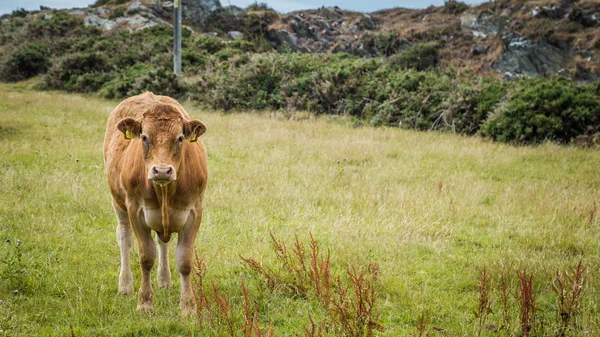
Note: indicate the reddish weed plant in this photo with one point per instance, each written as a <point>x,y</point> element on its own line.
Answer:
<point>422,327</point>
<point>483,307</point>
<point>505,301</point>
<point>568,288</point>
<point>527,305</point>
<point>213,308</point>
<point>349,301</point>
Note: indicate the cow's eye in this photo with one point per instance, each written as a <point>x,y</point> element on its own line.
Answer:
<point>180,139</point>
<point>144,139</point>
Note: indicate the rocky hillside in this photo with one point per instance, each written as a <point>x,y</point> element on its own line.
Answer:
<point>485,71</point>
<point>510,37</point>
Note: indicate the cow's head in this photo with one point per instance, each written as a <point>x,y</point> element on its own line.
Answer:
<point>163,133</point>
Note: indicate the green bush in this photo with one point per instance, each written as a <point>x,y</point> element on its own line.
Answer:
<point>546,109</point>
<point>117,12</point>
<point>61,24</point>
<point>455,7</point>
<point>227,53</point>
<point>19,13</point>
<point>209,44</point>
<point>27,62</point>
<point>67,74</point>
<point>139,78</point>
<point>420,56</point>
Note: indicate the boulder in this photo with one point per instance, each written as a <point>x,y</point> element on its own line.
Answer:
<point>479,23</point>
<point>303,29</point>
<point>280,37</point>
<point>137,8</point>
<point>102,11</point>
<point>77,12</point>
<point>96,21</point>
<point>331,13</point>
<point>134,21</point>
<point>523,57</point>
<point>235,35</point>
<point>366,22</point>
<point>323,25</point>
<point>198,10</point>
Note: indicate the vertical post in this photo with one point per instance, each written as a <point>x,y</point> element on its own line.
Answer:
<point>177,47</point>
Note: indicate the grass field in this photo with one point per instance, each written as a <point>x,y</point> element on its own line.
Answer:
<point>429,208</point>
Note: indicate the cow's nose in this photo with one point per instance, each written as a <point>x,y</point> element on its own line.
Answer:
<point>164,173</point>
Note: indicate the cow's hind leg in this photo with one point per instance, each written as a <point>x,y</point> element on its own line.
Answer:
<point>164,273</point>
<point>124,240</point>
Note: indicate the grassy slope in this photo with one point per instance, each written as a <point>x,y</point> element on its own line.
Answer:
<point>368,194</point>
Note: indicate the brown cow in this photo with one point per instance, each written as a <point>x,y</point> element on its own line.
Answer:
<point>156,168</point>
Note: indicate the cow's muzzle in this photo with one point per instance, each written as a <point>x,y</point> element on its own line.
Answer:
<point>162,174</point>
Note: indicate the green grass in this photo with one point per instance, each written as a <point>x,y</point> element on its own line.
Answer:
<point>370,195</point>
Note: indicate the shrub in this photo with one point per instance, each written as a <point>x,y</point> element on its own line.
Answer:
<point>67,73</point>
<point>117,12</point>
<point>19,13</point>
<point>242,45</point>
<point>420,56</point>
<point>455,7</point>
<point>139,78</point>
<point>27,62</point>
<point>227,53</point>
<point>61,24</point>
<point>546,109</point>
<point>209,44</point>
<point>190,58</point>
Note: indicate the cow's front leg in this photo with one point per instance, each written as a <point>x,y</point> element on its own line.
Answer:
<point>124,239</point>
<point>164,273</point>
<point>147,251</point>
<point>183,258</point>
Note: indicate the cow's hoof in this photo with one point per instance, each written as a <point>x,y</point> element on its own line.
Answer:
<point>165,283</point>
<point>126,290</point>
<point>187,309</point>
<point>145,308</point>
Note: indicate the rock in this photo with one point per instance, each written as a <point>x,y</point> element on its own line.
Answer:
<point>323,25</point>
<point>330,13</point>
<point>102,11</point>
<point>93,20</point>
<point>235,35</point>
<point>367,22</point>
<point>96,21</point>
<point>134,21</point>
<point>137,8</point>
<point>283,37</point>
<point>109,25</point>
<point>198,10</point>
<point>478,50</point>
<point>47,16</point>
<point>211,34</point>
<point>303,29</point>
<point>479,23</point>
<point>524,57</point>
<point>77,12</point>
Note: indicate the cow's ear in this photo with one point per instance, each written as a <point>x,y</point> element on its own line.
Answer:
<point>130,128</point>
<point>194,129</point>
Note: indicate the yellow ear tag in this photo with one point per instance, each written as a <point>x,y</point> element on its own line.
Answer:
<point>193,137</point>
<point>128,134</point>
